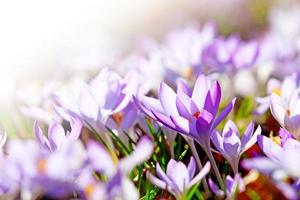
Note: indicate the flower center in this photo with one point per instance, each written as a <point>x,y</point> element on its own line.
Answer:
<point>118,118</point>
<point>41,165</point>
<point>277,91</point>
<point>89,189</point>
<point>197,114</point>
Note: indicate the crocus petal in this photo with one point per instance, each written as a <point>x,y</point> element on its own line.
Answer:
<point>179,176</point>
<point>230,126</point>
<point>182,87</point>
<point>76,129</point>
<point>223,114</point>
<point>162,175</point>
<point>142,152</point>
<point>100,158</point>
<point>164,120</point>
<point>201,89</point>
<point>167,99</point>
<point>213,97</point>
<point>249,142</point>
<point>56,135</point>
<point>247,134</point>
<point>205,170</point>
<point>88,107</point>
<point>159,183</point>
<point>192,167</point>
<point>263,165</point>
<point>182,124</point>
<point>217,141</point>
<point>182,109</point>
<point>42,139</point>
<point>270,148</point>
<point>277,109</point>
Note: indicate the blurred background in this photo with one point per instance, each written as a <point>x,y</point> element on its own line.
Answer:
<point>42,39</point>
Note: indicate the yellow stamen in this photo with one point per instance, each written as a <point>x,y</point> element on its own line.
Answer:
<point>88,190</point>
<point>187,72</point>
<point>277,91</point>
<point>41,165</point>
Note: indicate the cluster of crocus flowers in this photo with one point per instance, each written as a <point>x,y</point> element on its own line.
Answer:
<point>190,112</point>
<point>127,132</point>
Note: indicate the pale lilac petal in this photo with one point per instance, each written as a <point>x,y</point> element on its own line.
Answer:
<point>56,135</point>
<point>277,109</point>
<point>162,175</point>
<point>213,97</point>
<point>270,148</point>
<point>230,126</point>
<point>88,106</point>
<point>179,176</point>
<point>201,88</point>
<point>205,170</point>
<point>100,158</point>
<point>261,164</point>
<point>142,152</point>
<point>247,134</point>
<point>192,167</point>
<point>182,87</point>
<point>164,120</point>
<point>217,141</point>
<point>159,183</point>
<point>42,139</point>
<point>182,109</point>
<point>167,99</point>
<point>182,125</point>
<point>76,127</point>
<point>252,140</point>
<point>223,114</point>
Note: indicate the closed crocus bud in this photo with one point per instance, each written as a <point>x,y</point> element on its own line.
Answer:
<point>178,178</point>
<point>57,136</point>
<point>231,145</point>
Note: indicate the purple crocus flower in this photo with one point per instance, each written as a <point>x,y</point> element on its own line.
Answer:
<point>178,178</point>
<point>230,53</point>
<point>192,113</point>
<point>287,112</point>
<point>279,158</point>
<point>285,90</point>
<point>233,185</point>
<point>117,170</point>
<point>231,145</point>
<point>57,137</point>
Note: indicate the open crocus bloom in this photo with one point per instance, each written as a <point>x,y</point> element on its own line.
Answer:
<point>178,178</point>
<point>192,113</point>
<point>285,90</point>
<point>57,137</point>
<point>287,112</point>
<point>280,158</point>
<point>231,145</point>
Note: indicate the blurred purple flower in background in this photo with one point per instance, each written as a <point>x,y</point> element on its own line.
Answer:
<point>57,137</point>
